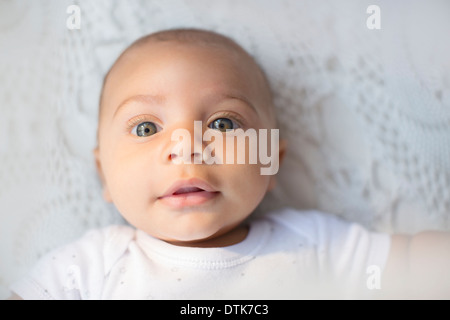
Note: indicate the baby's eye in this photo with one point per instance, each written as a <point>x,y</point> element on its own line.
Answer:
<point>145,129</point>
<point>223,124</point>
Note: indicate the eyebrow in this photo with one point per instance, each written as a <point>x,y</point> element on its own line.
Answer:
<point>234,96</point>
<point>159,99</point>
<point>141,98</point>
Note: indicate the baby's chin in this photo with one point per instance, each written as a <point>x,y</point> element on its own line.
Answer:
<point>188,240</point>
<point>207,237</point>
<point>185,243</point>
<point>181,236</point>
<point>192,236</point>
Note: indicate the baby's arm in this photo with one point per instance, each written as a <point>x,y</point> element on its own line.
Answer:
<point>419,266</point>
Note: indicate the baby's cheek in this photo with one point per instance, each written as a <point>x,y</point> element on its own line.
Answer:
<point>236,148</point>
<point>128,186</point>
<point>247,183</point>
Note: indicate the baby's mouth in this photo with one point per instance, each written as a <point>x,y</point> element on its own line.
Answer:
<point>188,193</point>
<point>187,190</point>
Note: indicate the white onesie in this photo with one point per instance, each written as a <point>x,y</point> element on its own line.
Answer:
<point>288,254</point>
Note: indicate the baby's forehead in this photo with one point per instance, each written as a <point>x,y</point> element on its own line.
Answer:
<point>228,51</point>
<point>194,38</point>
<point>165,43</point>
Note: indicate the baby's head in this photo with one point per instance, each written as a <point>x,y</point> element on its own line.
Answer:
<point>165,82</point>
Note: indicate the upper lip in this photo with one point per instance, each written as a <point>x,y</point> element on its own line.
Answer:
<point>182,185</point>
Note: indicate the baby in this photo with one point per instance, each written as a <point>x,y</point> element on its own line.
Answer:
<point>192,234</point>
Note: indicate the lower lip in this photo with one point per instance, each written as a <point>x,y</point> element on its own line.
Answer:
<point>188,199</point>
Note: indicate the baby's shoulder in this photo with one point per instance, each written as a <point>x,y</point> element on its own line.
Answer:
<point>293,218</point>
<point>105,236</point>
<point>113,238</point>
<point>311,224</point>
<point>101,246</point>
<point>66,272</point>
<point>113,234</point>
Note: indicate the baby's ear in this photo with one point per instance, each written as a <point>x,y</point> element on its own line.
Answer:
<point>98,164</point>
<point>281,153</point>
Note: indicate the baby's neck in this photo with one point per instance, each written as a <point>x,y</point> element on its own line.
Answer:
<point>230,238</point>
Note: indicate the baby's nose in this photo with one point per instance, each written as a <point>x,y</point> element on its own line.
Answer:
<point>187,145</point>
<point>177,157</point>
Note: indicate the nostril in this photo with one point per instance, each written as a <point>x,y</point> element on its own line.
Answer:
<point>196,157</point>
<point>172,156</point>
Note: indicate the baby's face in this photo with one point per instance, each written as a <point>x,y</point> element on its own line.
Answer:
<point>152,92</point>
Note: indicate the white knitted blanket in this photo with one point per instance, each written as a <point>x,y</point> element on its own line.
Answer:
<point>366,111</point>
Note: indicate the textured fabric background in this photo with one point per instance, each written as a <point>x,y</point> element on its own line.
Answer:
<point>366,112</point>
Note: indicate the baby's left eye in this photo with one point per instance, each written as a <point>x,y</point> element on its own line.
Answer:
<point>145,129</point>
<point>223,124</point>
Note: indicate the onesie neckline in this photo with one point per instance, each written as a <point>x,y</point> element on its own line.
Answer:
<point>208,258</point>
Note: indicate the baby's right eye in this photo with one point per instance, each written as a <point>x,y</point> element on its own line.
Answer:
<point>145,129</point>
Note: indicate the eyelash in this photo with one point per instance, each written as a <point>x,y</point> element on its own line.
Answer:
<point>230,115</point>
<point>132,123</point>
